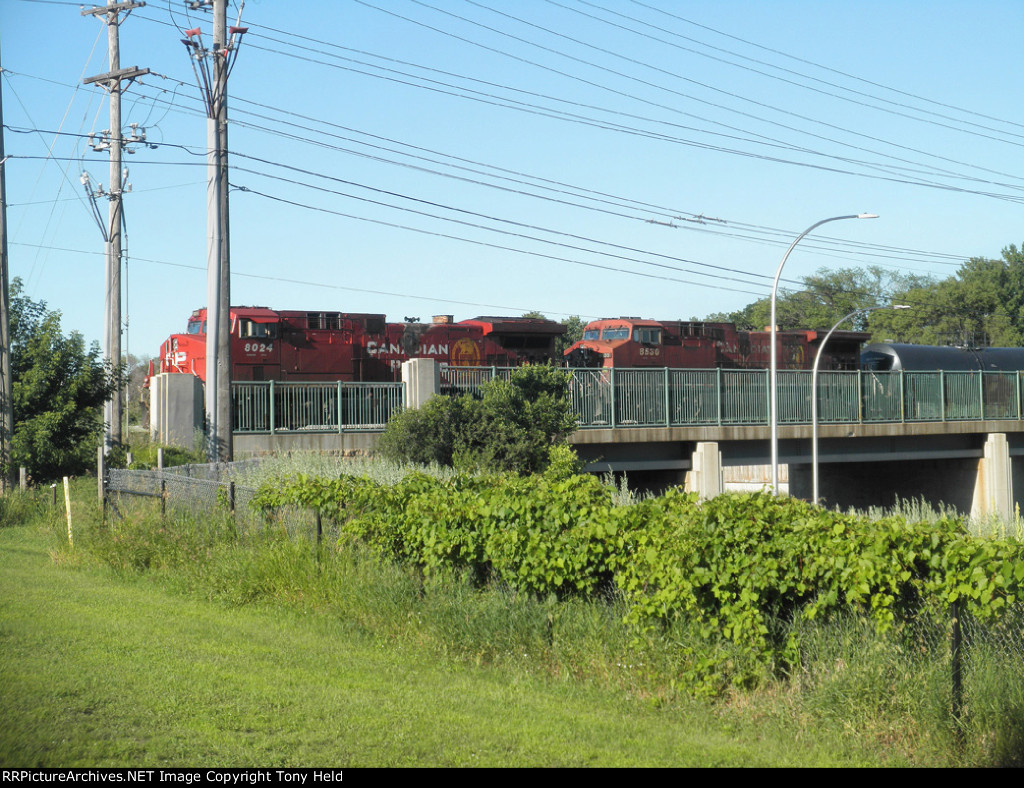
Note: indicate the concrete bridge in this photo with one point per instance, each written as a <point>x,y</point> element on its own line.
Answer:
<point>955,438</point>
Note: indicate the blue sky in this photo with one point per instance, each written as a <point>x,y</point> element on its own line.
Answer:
<point>589,157</point>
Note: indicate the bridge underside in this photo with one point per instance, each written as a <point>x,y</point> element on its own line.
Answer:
<point>958,465</point>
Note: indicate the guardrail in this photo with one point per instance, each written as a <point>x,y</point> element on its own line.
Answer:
<point>699,397</point>
<point>271,407</point>
<point>657,398</point>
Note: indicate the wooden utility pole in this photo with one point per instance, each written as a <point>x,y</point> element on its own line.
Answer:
<point>213,82</point>
<point>112,409</point>
<point>6,382</point>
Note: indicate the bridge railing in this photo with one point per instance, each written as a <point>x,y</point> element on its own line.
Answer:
<point>463,380</point>
<point>684,397</point>
<point>657,398</point>
<point>273,407</point>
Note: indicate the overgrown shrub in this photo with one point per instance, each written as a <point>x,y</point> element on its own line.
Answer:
<point>510,427</point>
<point>740,568</point>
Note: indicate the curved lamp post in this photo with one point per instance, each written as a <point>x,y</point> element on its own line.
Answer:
<point>773,376</point>
<point>814,389</point>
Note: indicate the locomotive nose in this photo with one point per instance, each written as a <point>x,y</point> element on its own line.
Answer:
<point>583,357</point>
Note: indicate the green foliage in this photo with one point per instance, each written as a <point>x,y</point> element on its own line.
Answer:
<point>510,427</point>
<point>58,392</point>
<point>734,569</point>
<point>144,456</point>
<point>983,303</point>
<point>828,296</point>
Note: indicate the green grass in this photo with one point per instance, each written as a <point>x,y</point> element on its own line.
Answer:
<point>100,670</point>
<point>184,641</point>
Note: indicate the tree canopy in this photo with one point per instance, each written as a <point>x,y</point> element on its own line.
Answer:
<point>827,296</point>
<point>981,304</point>
<point>58,391</point>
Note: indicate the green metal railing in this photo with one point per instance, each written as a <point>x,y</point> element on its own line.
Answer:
<point>273,407</point>
<point>685,398</point>
<point>657,398</point>
<point>464,380</point>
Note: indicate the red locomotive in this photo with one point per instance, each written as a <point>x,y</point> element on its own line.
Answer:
<point>321,346</point>
<point>633,342</point>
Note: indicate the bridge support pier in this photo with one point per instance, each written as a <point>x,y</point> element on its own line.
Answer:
<point>175,409</point>
<point>422,379</point>
<point>993,490</point>
<point>705,474</point>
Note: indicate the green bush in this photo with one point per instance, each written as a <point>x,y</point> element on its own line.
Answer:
<point>739,568</point>
<point>510,427</point>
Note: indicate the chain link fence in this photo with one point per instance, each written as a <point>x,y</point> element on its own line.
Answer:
<point>196,490</point>
<point>980,660</point>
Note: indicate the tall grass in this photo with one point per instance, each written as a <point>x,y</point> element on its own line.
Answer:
<point>332,466</point>
<point>918,510</point>
<point>886,693</point>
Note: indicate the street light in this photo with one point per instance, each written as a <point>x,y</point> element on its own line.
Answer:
<point>814,390</point>
<point>774,370</point>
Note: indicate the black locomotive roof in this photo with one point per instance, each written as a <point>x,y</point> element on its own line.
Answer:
<point>885,356</point>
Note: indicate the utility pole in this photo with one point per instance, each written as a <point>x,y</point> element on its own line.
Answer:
<point>112,409</point>
<point>213,82</point>
<point>6,382</point>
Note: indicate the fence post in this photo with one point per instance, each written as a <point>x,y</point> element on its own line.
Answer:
<point>319,535</point>
<point>942,395</point>
<point>101,472</point>
<point>956,647</point>
<point>67,509</point>
<point>668,417</point>
<point>271,414</point>
<point>860,396</point>
<point>903,398</point>
<point>341,408</point>
<point>719,395</point>
<point>615,414</point>
<point>163,497</point>
<point>231,497</point>
<point>981,395</point>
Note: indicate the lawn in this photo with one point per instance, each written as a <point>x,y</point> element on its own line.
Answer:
<point>98,669</point>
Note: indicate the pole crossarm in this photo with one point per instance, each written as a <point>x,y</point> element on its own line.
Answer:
<point>96,10</point>
<point>116,76</point>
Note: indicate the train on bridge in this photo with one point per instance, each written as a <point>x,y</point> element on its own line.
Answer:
<point>686,344</point>
<point>309,346</point>
<point>267,344</point>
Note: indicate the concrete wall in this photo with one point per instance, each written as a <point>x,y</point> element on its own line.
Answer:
<point>422,379</point>
<point>176,409</point>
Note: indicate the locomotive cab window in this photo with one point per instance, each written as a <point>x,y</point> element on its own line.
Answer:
<point>591,335</point>
<point>609,334</point>
<point>647,336</point>
<point>252,329</point>
<point>196,327</point>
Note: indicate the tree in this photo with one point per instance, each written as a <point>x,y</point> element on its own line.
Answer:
<point>982,304</point>
<point>512,426</point>
<point>58,391</point>
<point>827,296</point>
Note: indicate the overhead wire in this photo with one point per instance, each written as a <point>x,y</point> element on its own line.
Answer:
<point>791,72</point>
<point>825,68</point>
<point>635,61</point>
